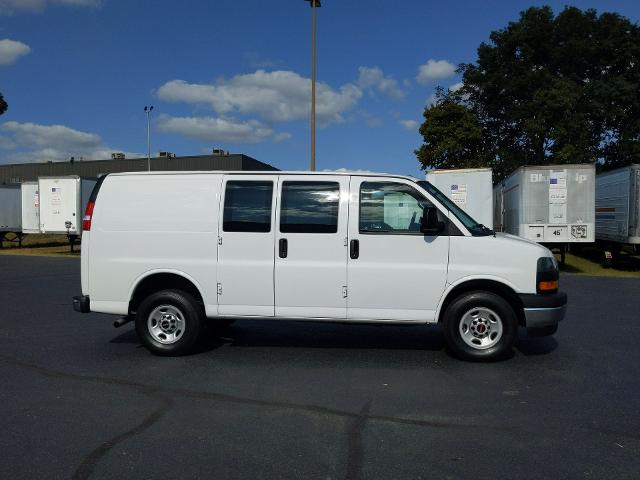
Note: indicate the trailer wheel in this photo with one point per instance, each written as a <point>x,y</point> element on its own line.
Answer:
<point>169,322</point>
<point>480,326</point>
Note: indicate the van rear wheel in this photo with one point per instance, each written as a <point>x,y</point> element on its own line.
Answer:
<point>169,322</point>
<point>480,326</point>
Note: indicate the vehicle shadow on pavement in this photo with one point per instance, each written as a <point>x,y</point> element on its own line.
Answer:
<point>312,335</point>
<point>296,334</point>
<point>531,346</point>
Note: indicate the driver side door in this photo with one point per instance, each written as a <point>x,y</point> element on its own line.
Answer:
<point>395,272</point>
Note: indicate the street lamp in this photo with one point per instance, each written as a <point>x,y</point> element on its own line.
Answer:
<point>313,4</point>
<point>147,110</point>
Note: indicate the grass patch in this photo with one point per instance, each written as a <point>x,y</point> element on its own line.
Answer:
<point>50,251</point>
<point>47,245</point>
<point>589,262</point>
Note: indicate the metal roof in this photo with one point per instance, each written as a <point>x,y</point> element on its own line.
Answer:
<point>21,172</point>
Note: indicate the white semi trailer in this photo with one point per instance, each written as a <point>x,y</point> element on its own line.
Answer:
<point>62,204</point>
<point>10,219</point>
<point>553,205</point>
<point>469,188</point>
<point>30,207</point>
<point>618,209</point>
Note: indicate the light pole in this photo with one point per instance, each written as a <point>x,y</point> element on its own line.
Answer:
<point>147,110</point>
<point>314,4</point>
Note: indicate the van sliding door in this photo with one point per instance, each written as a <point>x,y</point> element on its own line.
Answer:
<point>311,246</point>
<point>245,245</point>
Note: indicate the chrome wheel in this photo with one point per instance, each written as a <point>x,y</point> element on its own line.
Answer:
<point>166,324</point>
<point>481,328</point>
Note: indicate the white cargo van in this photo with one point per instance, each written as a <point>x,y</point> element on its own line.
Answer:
<point>170,250</point>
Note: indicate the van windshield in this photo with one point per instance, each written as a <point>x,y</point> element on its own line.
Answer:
<point>476,229</point>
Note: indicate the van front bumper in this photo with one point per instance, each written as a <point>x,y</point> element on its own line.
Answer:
<point>82,304</point>
<point>543,310</point>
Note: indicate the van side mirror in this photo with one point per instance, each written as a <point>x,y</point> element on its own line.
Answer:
<point>430,225</point>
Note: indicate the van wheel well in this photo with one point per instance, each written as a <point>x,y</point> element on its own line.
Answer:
<point>492,286</point>
<point>162,281</point>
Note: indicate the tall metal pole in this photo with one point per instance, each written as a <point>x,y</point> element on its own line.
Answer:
<point>147,110</point>
<point>312,166</point>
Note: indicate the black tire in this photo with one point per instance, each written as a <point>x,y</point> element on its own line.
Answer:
<point>191,315</point>
<point>464,305</point>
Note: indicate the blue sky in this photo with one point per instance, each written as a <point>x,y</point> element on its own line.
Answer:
<point>235,74</point>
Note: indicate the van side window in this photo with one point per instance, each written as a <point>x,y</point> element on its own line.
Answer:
<point>247,206</point>
<point>388,207</point>
<point>309,207</point>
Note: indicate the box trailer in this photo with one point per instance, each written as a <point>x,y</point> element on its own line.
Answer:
<point>62,203</point>
<point>10,216</point>
<point>552,204</point>
<point>618,205</point>
<point>469,188</point>
<point>30,207</point>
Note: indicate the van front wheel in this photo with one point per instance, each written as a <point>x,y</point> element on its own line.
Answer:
<point>480,326</point>
<point>169,322</point>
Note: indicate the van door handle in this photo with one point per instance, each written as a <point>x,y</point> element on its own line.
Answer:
<point>283,248</point>
<point>354,249</point>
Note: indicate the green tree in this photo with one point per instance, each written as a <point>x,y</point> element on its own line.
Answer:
<point>453,135</point>
<point>3,105</point>
<point>557,89</point>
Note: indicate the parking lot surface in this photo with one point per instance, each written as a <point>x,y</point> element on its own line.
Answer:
<point>297,400</point>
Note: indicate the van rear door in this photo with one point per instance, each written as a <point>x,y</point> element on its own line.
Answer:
<point>246,245</point>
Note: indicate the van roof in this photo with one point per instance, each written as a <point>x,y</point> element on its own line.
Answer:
<point>273,172</point>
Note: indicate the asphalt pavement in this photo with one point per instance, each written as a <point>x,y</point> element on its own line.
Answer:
<point>294,400</point>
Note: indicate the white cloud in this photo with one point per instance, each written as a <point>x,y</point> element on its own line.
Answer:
<point>346,170</point>
<point>274,96</point>
<point>373,78</point>
<point>410,124</point>
<point>435,70</point>
<point>49,135</point>
<point>6,143</point>
<point>12,50</point>
<point>432,100</point>
<point>9,7</point>
<point>281,137</point>
<point>219,129</point>
<point>31,142</point>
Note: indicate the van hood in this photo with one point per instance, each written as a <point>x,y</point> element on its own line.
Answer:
<point>507,237</point>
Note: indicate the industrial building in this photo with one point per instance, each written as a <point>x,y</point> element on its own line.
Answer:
<point>219,160</point>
